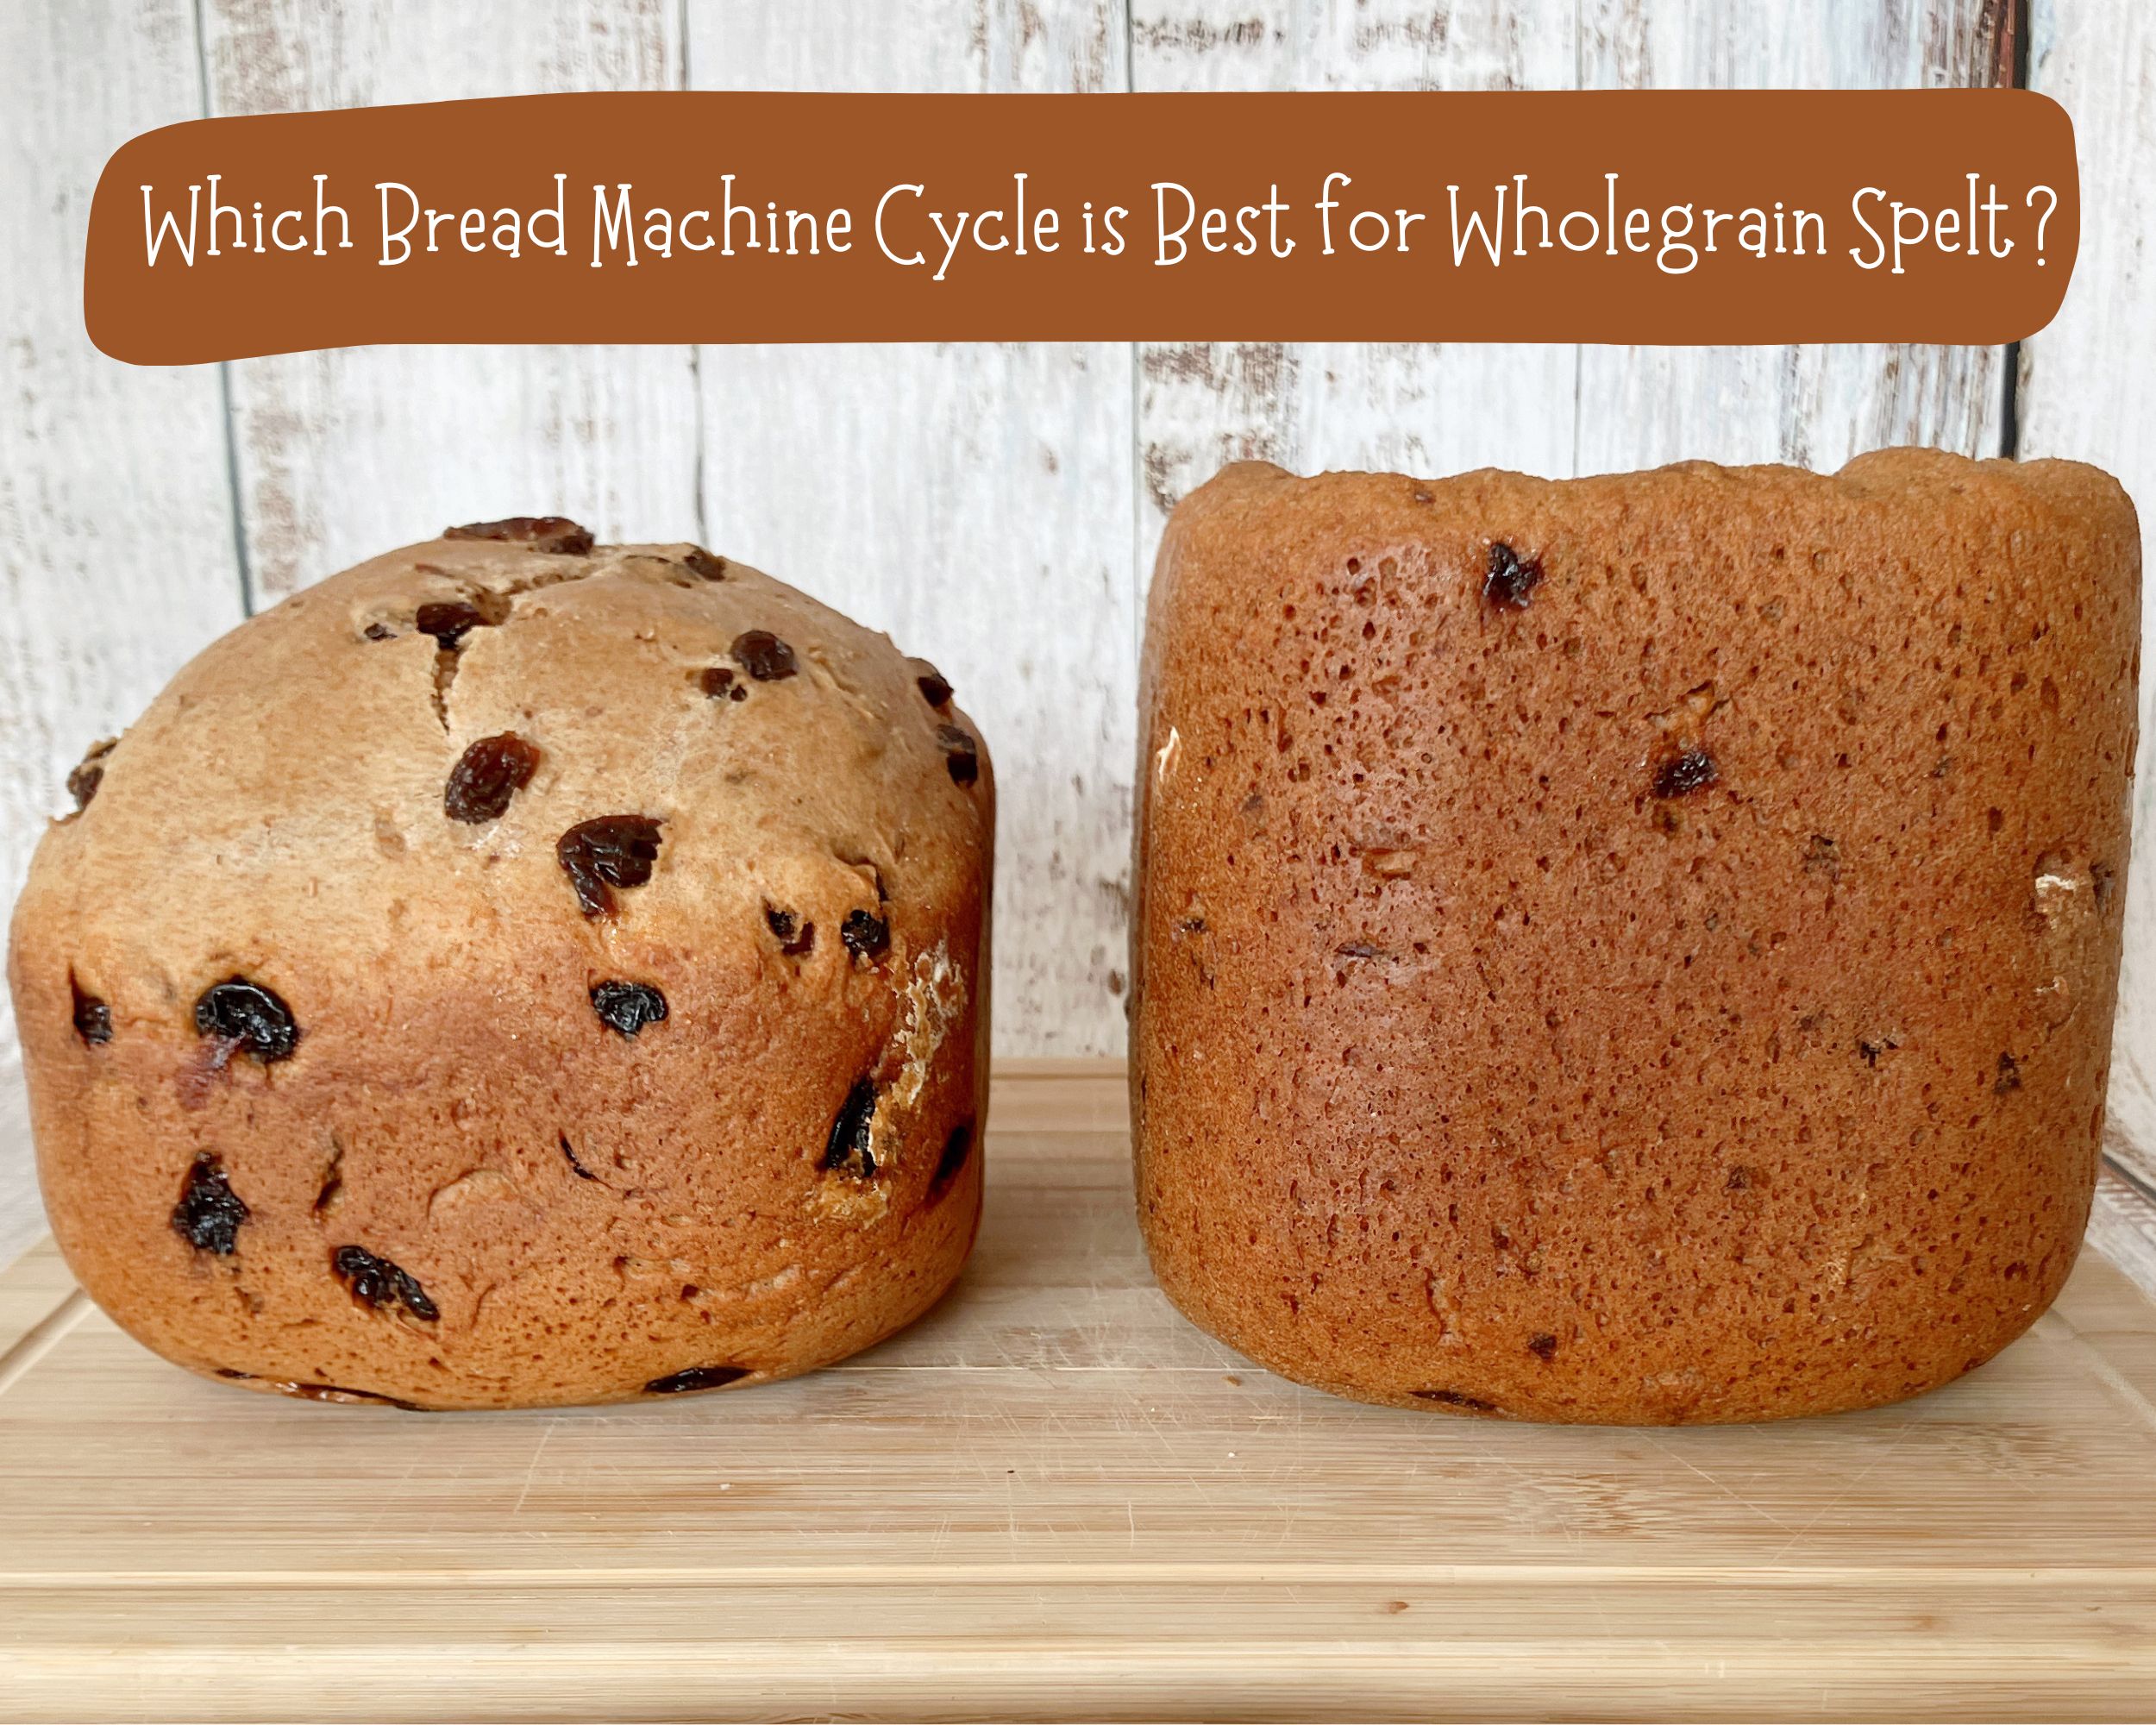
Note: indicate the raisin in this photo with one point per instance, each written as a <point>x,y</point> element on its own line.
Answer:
<point>1680,774</point>
<point>90,773</point>
<point>448,621</point>
<point>380,631</point>
<point>376,1282</point>
<point>1740,1180</point>
<point>2010,1078</point>
<point>934,690</point>
<point>210,1213</point>
<point>702,564</point>
<point>720,681</point>
<point>569,1151</point>
<point>696,1378</point>
<point>1453,1398</point>
<point>541,532</point>
<point>957,1152</point>
<point>486,776</point>
<point>611,850</point>
<point>1510,578</point>
<point>763,655</point>
<point>867,936</point>
<point>1543,1346</point>
<point>92,1017</point>
<point>627,1007</point>
<point>250,1017</point>
<point>847,1151</point>
<point>962,755</point>
<point>795,937</point>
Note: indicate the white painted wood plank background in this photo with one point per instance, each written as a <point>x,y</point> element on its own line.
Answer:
<point>2085,391</point>
<point>995,507</point>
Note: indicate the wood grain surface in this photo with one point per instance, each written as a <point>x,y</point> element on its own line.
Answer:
<point>1055,1499</point>
<point>996,508</point>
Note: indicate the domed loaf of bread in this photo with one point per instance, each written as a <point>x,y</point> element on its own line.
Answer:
<point>518,972</point>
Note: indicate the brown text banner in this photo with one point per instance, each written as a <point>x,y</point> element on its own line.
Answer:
<point>1632,216</point>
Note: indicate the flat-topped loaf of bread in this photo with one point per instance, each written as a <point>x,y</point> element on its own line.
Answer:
<point>1637,950</point>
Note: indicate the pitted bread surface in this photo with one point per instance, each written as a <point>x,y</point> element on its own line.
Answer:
<point>1639,949</point>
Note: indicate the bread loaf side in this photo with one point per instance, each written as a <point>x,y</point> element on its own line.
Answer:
<point>1634,949</point>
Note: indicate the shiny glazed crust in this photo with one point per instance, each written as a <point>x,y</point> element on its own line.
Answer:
<point>1638,950</point>
<point>592,1204</point>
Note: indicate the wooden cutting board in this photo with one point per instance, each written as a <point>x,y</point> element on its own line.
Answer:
<point>1054,1499</point>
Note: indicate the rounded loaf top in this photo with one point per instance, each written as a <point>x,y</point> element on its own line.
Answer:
<point>518,971</point>
<point>399,751</point>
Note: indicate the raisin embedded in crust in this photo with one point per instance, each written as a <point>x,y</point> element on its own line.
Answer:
<point>847,1150</point>
<point>627,1007</point>
<point>696,1378</point>
<point>701,563</point>
<point>933,687</point>
<point>251,1019</point>
<point>1509,578</point>
<point>448,620</point>
<point>718,679</point>
<point>541,532</point>
<point>376,1282</point>
<point>608,851</point>
<point>92,1017</point>
<point>867,936</point>
<point>486,776</point>
<point>763,655</point>
<point>962,755</point>
<point>957,1152</point>
<point>796,938</point>
<point>210,1213</point>
<point>89,772</point>
<point>1680,774</point>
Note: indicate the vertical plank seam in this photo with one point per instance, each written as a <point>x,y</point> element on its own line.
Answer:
<point>2016,21</point>
<point>1136,572</point>
<point>1579,349</point>
<point>696,349</point>
<point>2131,1176</point>
<point>234,508</point>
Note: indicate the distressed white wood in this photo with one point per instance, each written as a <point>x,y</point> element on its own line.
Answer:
<point>115,513</point>
<point>975,501</point>
<point>996,508</point>
<point>2085,392</point>
<point>1814,406</point>
<point>1421,408</point>
<point>343,454</point>
<point>2122,1226</point>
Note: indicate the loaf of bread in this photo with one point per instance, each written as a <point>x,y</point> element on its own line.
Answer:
<point>1640,949</point>
<point>518,972</point>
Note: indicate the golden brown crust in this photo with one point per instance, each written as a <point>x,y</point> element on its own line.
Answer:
<point>586,1212</point>
<point>1685,995</point>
